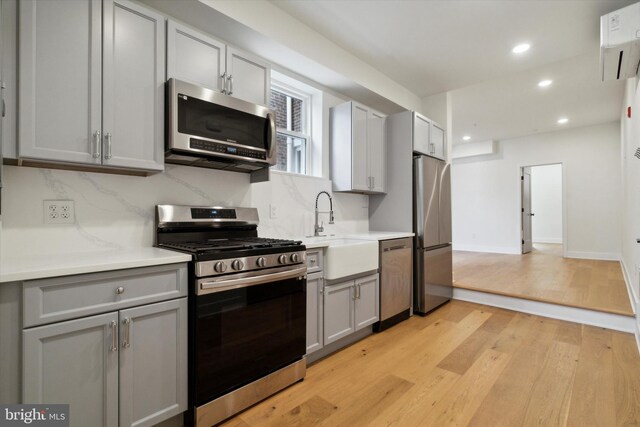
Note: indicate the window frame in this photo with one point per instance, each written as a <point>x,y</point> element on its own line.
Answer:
<point>292,92</point>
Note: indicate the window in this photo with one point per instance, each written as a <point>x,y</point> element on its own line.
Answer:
<point>292,129</point>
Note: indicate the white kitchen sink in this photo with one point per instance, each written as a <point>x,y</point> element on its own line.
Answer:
<point>346,257</point>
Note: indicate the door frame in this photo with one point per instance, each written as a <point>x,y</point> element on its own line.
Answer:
<point>565,237</point>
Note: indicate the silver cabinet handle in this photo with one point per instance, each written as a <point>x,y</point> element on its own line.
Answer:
<point>355,293</point>
<point>373,182</point>
<point>114,336</point>
<point>230,78</point>
<point>119,290</point>
<point>96,142</point>
<point>126,342</point>
<point>224,82</point>
<point>108,153</point>
<point>359,291</point>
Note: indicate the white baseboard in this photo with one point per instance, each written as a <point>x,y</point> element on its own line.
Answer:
<point>557,240</point>
<point>633,297</point>
<point>603,256</point>
<point>616,322</point>
<point>489,249</point>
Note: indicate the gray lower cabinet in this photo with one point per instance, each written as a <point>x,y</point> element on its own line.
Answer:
<point>91,87</point>
<point>315,312</point>
<point>367,301</point>
<point>125,367</point>
<point>350,306</point>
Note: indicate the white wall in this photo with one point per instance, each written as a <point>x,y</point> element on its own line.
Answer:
<point>630,130</point>
<point>486,192</point>
<point>546,204</point>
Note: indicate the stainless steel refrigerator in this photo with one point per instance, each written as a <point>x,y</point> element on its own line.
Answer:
<point>433,267</point>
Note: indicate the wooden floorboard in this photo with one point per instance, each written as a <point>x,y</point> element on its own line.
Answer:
<point>467,364</point>
<point>544,275</point>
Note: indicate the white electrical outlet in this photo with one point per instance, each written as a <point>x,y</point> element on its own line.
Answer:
<point>273,211</point>
<point>59,212</point>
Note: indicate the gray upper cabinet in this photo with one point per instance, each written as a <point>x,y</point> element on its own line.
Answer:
<point>103,60</point>
<point>421,129</point>
<point>198,58</point>
<point>74,362</point>
<point>195,57</point>
<point>248,77</point>
<point>438,141</point>
<point>358,144</point>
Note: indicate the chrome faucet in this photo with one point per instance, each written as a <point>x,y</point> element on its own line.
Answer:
<point>319,228</point>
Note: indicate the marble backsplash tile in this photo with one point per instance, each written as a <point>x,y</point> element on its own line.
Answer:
<point>117,211</point>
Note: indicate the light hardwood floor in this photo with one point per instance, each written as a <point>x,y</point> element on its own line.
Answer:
<point>544,275</point>
<point>467,364</point>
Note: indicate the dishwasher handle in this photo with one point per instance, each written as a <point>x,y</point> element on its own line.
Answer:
<point>396,244</point>
<point>395,248</point>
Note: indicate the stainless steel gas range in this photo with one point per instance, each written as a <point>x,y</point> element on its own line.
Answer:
<point>247,308</point>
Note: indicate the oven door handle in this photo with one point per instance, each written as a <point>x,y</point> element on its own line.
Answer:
<point>227,284</point>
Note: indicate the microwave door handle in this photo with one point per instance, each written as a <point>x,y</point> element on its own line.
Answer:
<point>271,135</point>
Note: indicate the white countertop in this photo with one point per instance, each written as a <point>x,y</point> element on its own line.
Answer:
<point>323,241</point>
<point>14,269</point>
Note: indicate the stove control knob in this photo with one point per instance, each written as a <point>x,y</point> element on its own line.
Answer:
<point>237,264</point>
<point>220,267</point>
<point>282,259</point>
<point>261,262</point>
<point>295,258</point>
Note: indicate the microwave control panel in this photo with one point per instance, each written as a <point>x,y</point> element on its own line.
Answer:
<point>217,147</point>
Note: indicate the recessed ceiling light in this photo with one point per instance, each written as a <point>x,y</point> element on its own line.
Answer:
<point>562,121</point>
<point>521,48</point>
<point>545,83</point>
<point>466,138</point>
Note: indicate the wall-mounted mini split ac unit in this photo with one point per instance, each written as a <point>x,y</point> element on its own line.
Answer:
<point>620,43</point>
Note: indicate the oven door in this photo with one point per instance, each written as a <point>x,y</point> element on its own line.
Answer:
<point>242,333</point>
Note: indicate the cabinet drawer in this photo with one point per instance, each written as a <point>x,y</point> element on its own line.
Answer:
<point>314,261</point>
<point>62,298</point>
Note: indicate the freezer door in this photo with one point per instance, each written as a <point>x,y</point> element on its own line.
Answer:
<point>426,187</point>
<point>434,279</point>
<point>444,213</point>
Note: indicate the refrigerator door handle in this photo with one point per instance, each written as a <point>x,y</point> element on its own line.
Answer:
<point>418,179</point>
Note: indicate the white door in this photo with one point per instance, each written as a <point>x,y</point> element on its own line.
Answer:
<point>133,86</point>
<point>194,57</point>
<point>527,244</point>
<point>74,362</point>
<point>248,77</point>
<point>377,151</point>
<point>60,62</point>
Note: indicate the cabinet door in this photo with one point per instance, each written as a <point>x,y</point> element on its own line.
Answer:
<point>248,77</point>
<point>133,87</point>
<point>153,362</point>
<point>438,147</point>
<point>338,311</point>
<point>367,302</point>
<point>359,152</point>
<point>314,312</point>
<point>60,80</point>
<point>74,362</point>
<point>377,150</point>
<point>421,134</point>
<point>194,57</point>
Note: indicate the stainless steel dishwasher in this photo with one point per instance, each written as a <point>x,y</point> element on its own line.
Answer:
<point>396,281</point>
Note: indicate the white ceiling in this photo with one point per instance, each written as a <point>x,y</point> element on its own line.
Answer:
<point>464,47</point>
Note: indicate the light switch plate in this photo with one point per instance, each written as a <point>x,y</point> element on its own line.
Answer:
<point>59,211</point>
<point>273,211</point>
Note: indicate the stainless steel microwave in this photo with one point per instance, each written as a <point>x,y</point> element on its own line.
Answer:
<point>206,128</point>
